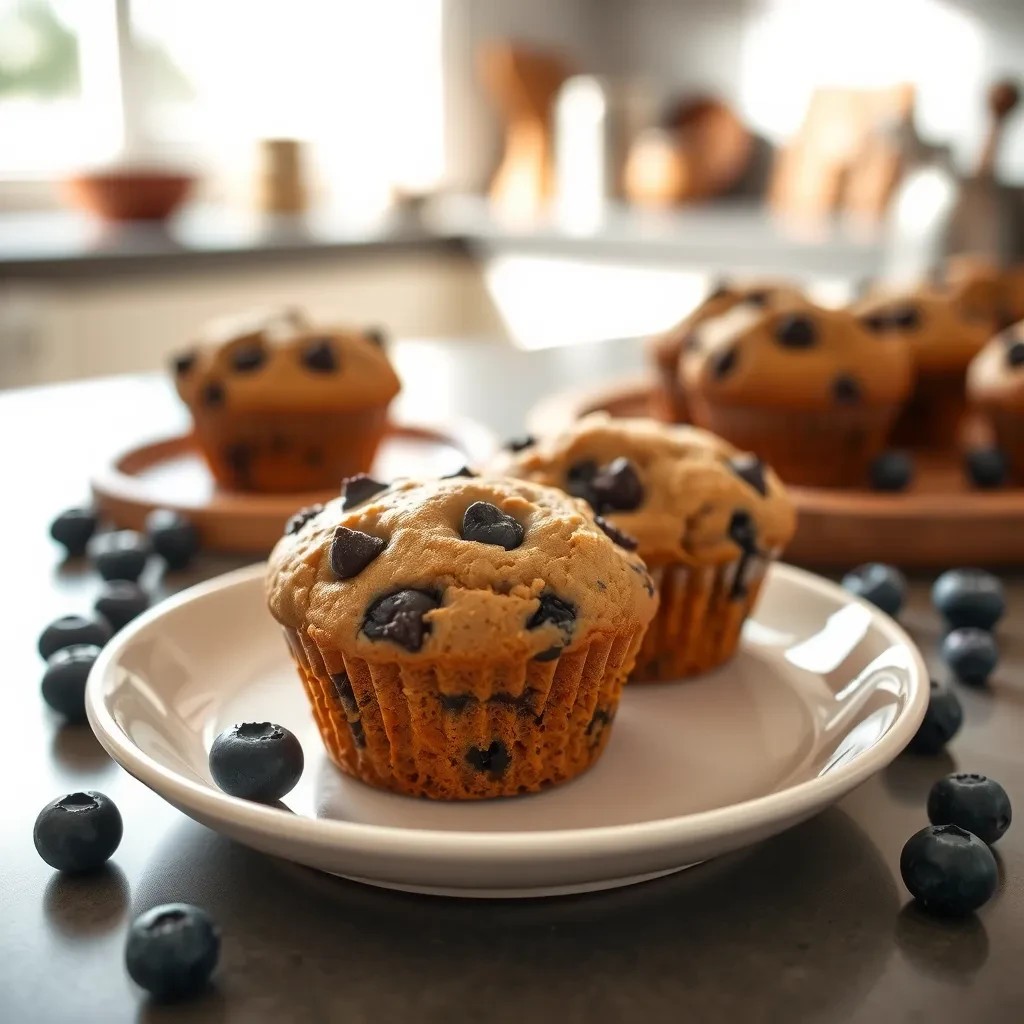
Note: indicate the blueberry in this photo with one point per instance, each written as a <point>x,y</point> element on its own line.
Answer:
<point>882,585</point>
<point>986,467</point>
<point>121,555</point>
<point>969,597</point>
<point>173,537</point>
<point>948,870</point>
<point>70,630</point>
<point>891,471</point>
<point>73,528</point>
<point>172,950</point>
<point>974,802</point>
<point>941,723</point>
<point>121,601</point>
<point>971,653</point>
<point>64,679</point>
<point>256,761</point>
<point>78,832</point>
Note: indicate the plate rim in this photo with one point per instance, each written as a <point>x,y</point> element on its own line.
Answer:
<point>455,846</point>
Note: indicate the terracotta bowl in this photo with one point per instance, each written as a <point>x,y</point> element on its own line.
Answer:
<point>129,195</point>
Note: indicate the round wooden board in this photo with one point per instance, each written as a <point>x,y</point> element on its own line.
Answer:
<point>939,522</point>
<point>170,473</point>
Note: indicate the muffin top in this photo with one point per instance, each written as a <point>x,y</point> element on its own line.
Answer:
<point>796,356</point>
<point>467,567</point>
<point>683,493</point>
<point>996,374</point>
<point>278,360</point>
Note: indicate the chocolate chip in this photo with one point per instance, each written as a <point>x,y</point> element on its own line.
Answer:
<point>463,471</point>
<point>213,394</point>
<point>319,355</point>
<point>398,617</point>
<point>578,477</point>
<point>846,390</point>
<point>248,358</point>
<point>622,539</point>
<point>303,516</point>
<point>517,444</point>
<point>357,489</point>
<point>352,551</point>
<point>1015,354</point>
<point>183,362</point>
<point>905,318</point>
<point>750,469</point>
<point>796,331</point>
<point>376,335</point>
<point>456,703</point>
<point>548,654</point>
<point>494,760</point>
<point>556,611</point>
<point>346,696</point>
<point>743,531</point>
<point>724,363</point>
<point>485,523</point>
<point>617,486</point>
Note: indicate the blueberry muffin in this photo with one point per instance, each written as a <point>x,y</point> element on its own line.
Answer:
<point>707,520</point>
<point>995,386</point>
<point>462,638</point>
<point>945,328</point>
<point>812,391</point>
<point>665,349</point>
<point>281,405</point>
<point>985,288</point>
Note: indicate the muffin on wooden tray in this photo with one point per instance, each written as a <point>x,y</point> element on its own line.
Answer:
<point>707,520</point>
<point>995,385</point>
<point>282,405</point>
<point>461,638</point>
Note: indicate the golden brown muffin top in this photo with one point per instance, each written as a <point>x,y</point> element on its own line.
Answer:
<point>462,568</point>
<point>996,374</point>
<point>279,361</point>
<point>798,356</point>
<point>683,493</point>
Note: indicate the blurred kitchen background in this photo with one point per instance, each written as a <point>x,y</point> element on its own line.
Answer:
<point>548,171</point>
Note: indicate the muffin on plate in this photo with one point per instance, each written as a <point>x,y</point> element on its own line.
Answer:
<point>665,349</point>
<point>462,638</point>
<point>281,405</point>
<point>995,385</point>
<point>707,519</point>
<point>812,391</point>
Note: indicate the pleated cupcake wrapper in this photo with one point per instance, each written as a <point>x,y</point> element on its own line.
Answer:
<point>700,616</point>
<point>466,730</point>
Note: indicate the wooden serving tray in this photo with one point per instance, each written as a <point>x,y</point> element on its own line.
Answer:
<point>939,522</point>
<point>170,473</point>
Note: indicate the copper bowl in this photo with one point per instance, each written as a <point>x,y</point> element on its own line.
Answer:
<point>129,195</point>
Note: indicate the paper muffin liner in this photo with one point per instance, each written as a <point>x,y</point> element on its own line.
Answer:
<point>467,730</point>
<point>288,452</point>
<point>933,415</point>
<point>700,617</point>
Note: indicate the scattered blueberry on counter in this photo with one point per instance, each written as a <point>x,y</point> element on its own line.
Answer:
<point>256,761</point>
<point>969,597</point>
<point>974,802</point>
<point>882,585</point>
<point>891,471</point>
<point>121,555</point>
<point>173,537</point>
<point>79,832</point>
<point>948,870</point>
<point>172,950</point>
<point>64,679</point>
<point>73,529</point>
<point>986,467</point>
<point>941,723</point>
<point>972,654</point>
<point>72,630</point>
<point>120,601</point>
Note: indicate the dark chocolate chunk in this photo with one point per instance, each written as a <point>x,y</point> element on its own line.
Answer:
<point>1015,354</point>
<point>846,390</point>
<point>724,363</point>
<point>352,551</point>
<point>398,617</point>
<point>494,760</point>
<point>357,489</point>
<point>559,613</point>
<point>796,331</point>
<point>485,523</point>
<point>213,394</point>
<point>456,703</point>
<point>462,471</point>
<point>578,477</point>
<point>183,362</point>
<point>345,694</point>
<point>622,539</point>
<point>517,444</point>
<point>743,531</point>
<point>303,516</point>
<point>248,358</point>
<point>617,486</point>
<point>376,335</point>
<point>750,469</point>
<point>319,356</point>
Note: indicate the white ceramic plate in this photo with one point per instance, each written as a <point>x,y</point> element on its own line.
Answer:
<point>825,691</point>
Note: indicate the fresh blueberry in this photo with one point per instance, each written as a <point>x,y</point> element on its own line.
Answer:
<point>172,950</point>
<point>121,601</point>
<point>971,653</point>
<point>882,585</point>
<point>974,802</point>
<point>121,555</point>
<point>70,630</point>
<point>986,467</point>
<point>78,832</point>
<point>256,761</point>
<point>173,537</point>
<point>948,870</point>
<point>73,528</point>
<point>64,679</point>
<point>941,723</point>
<point>969,597</point>
<point>891,471</point>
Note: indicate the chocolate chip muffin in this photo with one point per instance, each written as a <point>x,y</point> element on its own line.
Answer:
<point>707,520</point>
<point>462,638</point>
<point>282,405</point>
<point>995,385</point>
<point>666,349</point>
<point>812,391</point>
